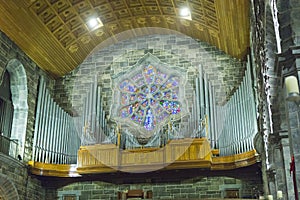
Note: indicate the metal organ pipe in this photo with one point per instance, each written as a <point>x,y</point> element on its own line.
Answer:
<point>252,106</point>
<point>214,117</point>
<point>53,130</point>
<point>206,95</point>
<point>211,122</point>
<point>45,127</point>
<point>240,120</point>
<point>240,137</point>
<point>38,121</point>
<point>202,102</point>
<point>66,139</point>
<point>197,97</point>
<point>234,124</point>
<point>245,121</point>
<point>56,134</point>
<point>50,134</point>
<point>98,112</point>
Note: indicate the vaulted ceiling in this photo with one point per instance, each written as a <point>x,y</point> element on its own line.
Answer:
<point>55,35</point>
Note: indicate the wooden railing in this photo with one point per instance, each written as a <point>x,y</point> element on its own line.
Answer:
<point>177,154</point>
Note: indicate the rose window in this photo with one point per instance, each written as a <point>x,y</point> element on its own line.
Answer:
<point>149,97</point>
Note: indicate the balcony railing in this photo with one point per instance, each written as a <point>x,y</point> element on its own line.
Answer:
<point>9,146</point>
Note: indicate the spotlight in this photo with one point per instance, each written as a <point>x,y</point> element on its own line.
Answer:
<point>94,23</point>
<point>292,87</point>
<point>185,13</point>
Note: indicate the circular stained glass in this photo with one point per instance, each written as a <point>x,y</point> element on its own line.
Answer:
<point>149,97</point>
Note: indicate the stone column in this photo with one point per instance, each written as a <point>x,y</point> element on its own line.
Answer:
<point>285,144</point>
<point>279,178</point>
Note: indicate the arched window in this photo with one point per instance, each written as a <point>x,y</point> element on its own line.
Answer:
<point>6,113</point>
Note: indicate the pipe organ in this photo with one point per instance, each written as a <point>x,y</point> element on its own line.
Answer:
<point>56,139</point>
<point>93,125</point>
<point>229,128</point>
<point>237,124</point>
<point>204,104</point>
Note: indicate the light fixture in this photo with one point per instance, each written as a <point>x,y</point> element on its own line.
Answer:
<point>94,23</point>
<point>185,13</point>
<point>279,194</point>
<point>292,88</point>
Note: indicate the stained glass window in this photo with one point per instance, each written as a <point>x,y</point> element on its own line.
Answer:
<point>149,97</point>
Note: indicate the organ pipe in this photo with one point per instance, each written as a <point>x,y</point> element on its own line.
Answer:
<point>202,105</point>
<point>37,133</point>
<point>240,127</point>
<point>56,134</point>
<point>45,127</point>
<point>211,127</point>
<point>197,97</point>
<point>214,117</point>
<point>53,130</point>
<point>206,94</point>
<point>241,123</point>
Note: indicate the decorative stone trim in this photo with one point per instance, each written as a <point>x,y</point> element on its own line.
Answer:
<point>8,190</point>
<point>19,93</point>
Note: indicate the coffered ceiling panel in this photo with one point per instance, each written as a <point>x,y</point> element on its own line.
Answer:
<point>54,33</point>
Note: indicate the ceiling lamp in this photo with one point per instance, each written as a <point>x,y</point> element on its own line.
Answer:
<point>185,13</point>
<point>292,87</point>
<point>94,23</point>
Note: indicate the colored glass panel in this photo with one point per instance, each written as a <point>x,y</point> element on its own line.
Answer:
<point>149,97</point>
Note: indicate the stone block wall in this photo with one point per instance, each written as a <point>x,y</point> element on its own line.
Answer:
<point>13,171</point>
<point>18,183</point>
<point>8,51</point>
<point>225,73</point>
<point>196,188</point>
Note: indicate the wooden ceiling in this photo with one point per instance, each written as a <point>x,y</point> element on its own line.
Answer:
<point>54,34</point>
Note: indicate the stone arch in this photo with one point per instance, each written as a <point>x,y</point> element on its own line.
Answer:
<point>18,86</point>
<point>8,190</point>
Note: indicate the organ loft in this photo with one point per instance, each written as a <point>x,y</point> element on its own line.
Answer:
<point>149,99</point>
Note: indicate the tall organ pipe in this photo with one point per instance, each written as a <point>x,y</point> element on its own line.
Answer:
<point>202,102</point>
<point>45,132</point>
<point>206,94</point>
<point>211,127</point>
<point>38,121</point>
<point>49,131</point>
<point>56,136</point>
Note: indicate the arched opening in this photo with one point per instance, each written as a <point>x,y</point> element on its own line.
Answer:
<point>6,114</point>
<point>19,93</point>
<point>8,190</point>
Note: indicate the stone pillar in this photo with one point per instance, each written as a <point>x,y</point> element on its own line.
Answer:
<point>294,122</point>
<point>285,144</point>
<point>280,154</point>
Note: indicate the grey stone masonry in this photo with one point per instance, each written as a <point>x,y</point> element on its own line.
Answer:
<point>196,188</point>
<point>16,172</point>
<point>26,72</point>
<point>224,72</point>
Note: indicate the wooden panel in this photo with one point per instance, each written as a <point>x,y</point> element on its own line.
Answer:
<point>177,154</point>
<point>234,26</point>
<point>105,154</point>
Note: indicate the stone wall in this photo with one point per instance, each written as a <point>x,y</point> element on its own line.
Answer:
<point>9,51</point>
<point>223,71</point>
<point>196,188</point>
<point>18,184</point>
<point>15,172</point>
